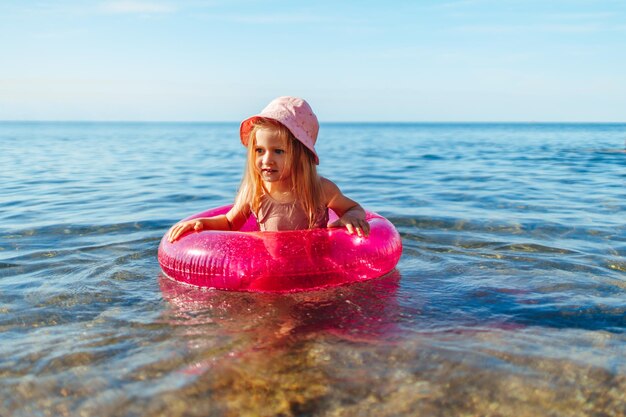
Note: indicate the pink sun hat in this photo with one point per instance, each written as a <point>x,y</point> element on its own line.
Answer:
<point>293,113</point>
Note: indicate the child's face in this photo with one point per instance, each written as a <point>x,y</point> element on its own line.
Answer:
<point>271,156</point>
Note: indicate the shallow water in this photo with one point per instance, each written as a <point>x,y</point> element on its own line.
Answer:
<point>509,299</point>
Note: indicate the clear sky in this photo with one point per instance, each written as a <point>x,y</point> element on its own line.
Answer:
<point>194,60</point>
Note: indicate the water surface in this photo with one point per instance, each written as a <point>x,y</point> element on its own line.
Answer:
<point>509,298</point>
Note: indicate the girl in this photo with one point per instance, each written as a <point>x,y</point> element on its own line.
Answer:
<point>280,186</point>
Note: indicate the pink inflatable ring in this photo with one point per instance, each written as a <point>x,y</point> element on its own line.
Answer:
<point>289,261</point>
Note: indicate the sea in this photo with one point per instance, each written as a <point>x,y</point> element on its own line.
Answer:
<point>509,298</point>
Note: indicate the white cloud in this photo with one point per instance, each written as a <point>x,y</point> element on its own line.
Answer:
<point>269,18</point>
<point>132,7</point>
<point>545,28</point>
<point>582,16</point>
<point>458,4</point>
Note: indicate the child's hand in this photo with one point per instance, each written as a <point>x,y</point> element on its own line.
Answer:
<point>354,223</point>
<point>179,228</point>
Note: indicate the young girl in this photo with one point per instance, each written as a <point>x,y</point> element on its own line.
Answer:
<point>280,186</point>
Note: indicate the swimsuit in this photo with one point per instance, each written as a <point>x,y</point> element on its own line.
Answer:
<point>274,216</point>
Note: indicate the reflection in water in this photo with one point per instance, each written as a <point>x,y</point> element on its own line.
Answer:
<point>262,351</point>
<point>365,310</point>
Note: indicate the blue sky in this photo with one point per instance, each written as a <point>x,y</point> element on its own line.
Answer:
<point>193,60</point>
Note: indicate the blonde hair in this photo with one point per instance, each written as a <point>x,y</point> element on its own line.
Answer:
<point>306,185</point>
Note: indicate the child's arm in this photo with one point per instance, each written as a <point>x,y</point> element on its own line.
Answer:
<point>350,213</point>
<point>233,220</point>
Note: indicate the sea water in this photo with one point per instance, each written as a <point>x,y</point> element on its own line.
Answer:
<point>509,298</point>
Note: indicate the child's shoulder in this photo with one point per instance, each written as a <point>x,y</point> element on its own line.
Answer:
<point>326,183</point>
<point>329,188</point>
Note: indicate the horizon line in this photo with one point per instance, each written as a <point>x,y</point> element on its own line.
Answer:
<point>323,122</point>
